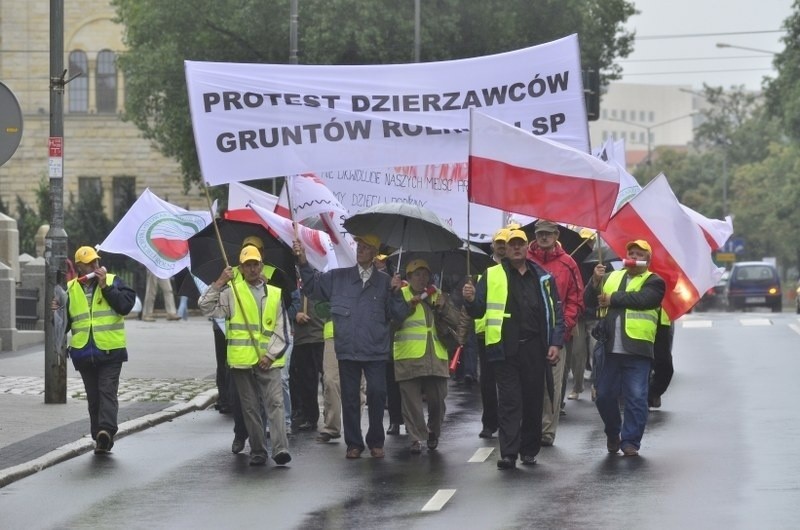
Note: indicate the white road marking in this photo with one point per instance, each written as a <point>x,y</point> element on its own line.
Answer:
<point>755,321</point>
<point>481,454</point>
<point>697,324</point>
<point>438,501</point>
<point>795,328</point>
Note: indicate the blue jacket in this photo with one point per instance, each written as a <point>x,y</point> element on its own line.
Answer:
<point>361,314</point>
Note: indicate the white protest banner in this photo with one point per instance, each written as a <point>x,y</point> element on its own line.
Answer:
<point>155,233</point>
<point>263,120</point>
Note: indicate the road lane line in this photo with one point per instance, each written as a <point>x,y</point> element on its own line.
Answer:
<point>755,321</point>
<point>481,454</point>
<point>795,328</point>
<point>697,324</point>
<point>438,501</point>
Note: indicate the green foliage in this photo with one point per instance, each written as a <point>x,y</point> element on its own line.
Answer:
<point>782,93</point>
<point>43,203</point>
<point>28,223</point>
<point>161,35</point>
<point>85,221</point>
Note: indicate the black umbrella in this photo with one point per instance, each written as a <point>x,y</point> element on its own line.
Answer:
<point>185,284</point>
<point>207,262</point>
<point>571,241</point>
<point>449,262</point>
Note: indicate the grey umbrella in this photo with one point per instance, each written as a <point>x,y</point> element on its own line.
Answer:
<point>452,261</point>
<point>404,226</point>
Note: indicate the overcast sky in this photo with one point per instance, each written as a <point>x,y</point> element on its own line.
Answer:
<point>692,57</point>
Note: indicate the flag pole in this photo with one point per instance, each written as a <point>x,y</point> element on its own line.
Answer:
<point>469,180</point>
<point>287,181</point>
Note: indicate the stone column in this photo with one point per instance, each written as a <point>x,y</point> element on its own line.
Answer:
<point>9,244</point>
<point>8,309</point>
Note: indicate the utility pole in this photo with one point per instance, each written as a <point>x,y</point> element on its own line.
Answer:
<point>55,252</point>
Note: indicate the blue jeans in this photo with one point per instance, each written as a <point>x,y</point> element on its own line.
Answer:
<point>350,382</point>
<point>627,376</point>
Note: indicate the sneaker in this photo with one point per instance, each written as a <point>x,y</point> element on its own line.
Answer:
<point>573,395</point>
<point>416,447</point>
<point>282,458</point>
<point>258,460</point>
<point>377,452</point>
<point>612,444</point>
<point>528,460</point>
<point>238,445</point>
<point>103,443</point>
<point>629,450</point>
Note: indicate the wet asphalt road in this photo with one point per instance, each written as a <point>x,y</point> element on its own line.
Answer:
<point>722,452</point>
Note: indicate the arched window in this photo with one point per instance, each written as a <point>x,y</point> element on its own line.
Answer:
<point>79,87</point>
<point>106,81</point>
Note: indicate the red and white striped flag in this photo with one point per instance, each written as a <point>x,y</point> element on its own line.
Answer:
<point>517,171</point>
<point>717,232</point>
<point>681,254</point>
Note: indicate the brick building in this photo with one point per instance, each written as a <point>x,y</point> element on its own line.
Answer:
<point>100,150</point>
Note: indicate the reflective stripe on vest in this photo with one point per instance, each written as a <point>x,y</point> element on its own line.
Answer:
<point>241,331</point>
<point>480,323</point>
<point>640,324</point>
<point>411,340</point>
<point>106,326</point>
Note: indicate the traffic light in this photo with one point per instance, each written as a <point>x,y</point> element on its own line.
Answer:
<point>591,92</point>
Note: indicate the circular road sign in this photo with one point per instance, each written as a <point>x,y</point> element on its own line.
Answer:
<point>10,124</point>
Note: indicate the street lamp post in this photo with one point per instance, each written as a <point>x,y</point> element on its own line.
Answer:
<point>757,50</point>
<point>648,128</point>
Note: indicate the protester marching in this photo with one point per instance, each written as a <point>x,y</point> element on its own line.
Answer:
<point>387,298</point>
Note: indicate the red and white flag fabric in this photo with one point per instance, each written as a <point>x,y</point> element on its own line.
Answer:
<point>717,232</point>
<point>155,233</point>
<point>317,244</point>
<point>517,171</point>
<point>240,195</point>
<point>681,255</point>
<point>311,198</point>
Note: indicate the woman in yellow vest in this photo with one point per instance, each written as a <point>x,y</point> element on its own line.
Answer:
<point>420,359</point>
<point>97,303</point>
<point>630,299</point>
<point>258,337</point>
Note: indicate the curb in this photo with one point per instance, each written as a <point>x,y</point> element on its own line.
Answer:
<point>71,450</point>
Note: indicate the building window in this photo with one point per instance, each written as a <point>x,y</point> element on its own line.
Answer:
<point>106,81</point>
<point>623,115</point>
<point>78,87</point>
<point>613,113</point>
<point>604,113</point>
<point>88,185</point>
<point>641,115</point>
<point>652,116</point>
<point>605,135</point>
<point>124,189</point>
<point>641,137</point>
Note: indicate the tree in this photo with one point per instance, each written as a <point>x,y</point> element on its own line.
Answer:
<point>28,223</point>
<point>782,93</point>
<point>85,221</point>
<point>161,35</point>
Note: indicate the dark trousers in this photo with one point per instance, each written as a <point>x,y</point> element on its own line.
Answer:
<point>520,387</point>
<point>101,382</point>
<point>223,372</point>
<point>239,427</point>
<point>661,373</point>
<point>350,382</point>
<point>304,379</point>
<point>488,387</point>
<point>393,400</point>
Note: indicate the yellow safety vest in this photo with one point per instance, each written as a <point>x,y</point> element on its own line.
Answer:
<point>411,340</point>
<point>327,330</point>
<point>240,331</point>
<point>267,270</point>
<point>496,296</point>
<point>103,323</point>
<point>480,323</point>
<point>640,324</point>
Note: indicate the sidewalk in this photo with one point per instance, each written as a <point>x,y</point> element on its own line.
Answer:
<point>170,372</point>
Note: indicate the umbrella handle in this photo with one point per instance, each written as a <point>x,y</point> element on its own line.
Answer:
<point>399,260</point>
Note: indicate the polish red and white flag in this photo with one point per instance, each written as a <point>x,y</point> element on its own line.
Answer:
<point>681,253</point>
<point>517,171</point>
